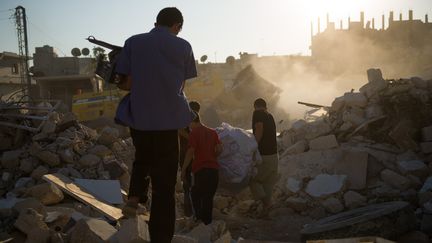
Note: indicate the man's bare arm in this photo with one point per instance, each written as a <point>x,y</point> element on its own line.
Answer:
<point>259,129</point>
<point>187,161</point>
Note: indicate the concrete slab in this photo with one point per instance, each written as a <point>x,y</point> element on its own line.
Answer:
<point>354,165</point>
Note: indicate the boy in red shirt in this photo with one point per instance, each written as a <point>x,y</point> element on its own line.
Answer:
<point>204,147</point>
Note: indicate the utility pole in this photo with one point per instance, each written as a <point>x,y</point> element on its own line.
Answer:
<point>21,26</point>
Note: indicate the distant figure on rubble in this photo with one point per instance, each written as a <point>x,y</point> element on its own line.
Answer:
<point>187,182</point>
<point>264,130</point>
<point>156,64</point>
<point>203,149</point>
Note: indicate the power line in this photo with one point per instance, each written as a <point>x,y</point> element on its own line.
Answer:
<point>47,35</point>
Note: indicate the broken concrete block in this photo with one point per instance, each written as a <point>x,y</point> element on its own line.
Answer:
<point>427,134</point>
<point>332,205</point>
<point>374,75</point>
<point>298,147</point>
<point>38,235</point>
<point>426,147</point>
<point>183,239</point>
<point>244,206</point>
<point>32,203</point>
<point>386,191</point>
<point>221,202</point>
<point>28,220</point>
<point>115,168</point>
<point>316,129</point>
<point>11,159</point>
<point>293,185</point>
<point>355,99</point>
<point>100,150</point>
<point>415,167</point>
<point>373,111</point>
<point>67,156</point>
<point>354,165</point>
<point>26,165</point>
<point>355,116</point>
<point>299,125</point>
<point>48,158</point>
<point>354,199</point>
<point>374,167</point>
<point>89,160</point>
<point>202,233</point>
<point>346,126</point>
<point>324,143</point>
<point>91,230</point>
<point>338,104</point>
<point>108,136</point>
<point>427,186</point>
<point>46,193</point>
<point>372,88</point>
<point>39,172</point>
<point>225,238</point>
<point>49,127</point>
<point>6,176</point>
<point>297,203</point>
<point>402,135</point>
<point>133,231</point>
<point>395,180</point>
<point>324,185</point>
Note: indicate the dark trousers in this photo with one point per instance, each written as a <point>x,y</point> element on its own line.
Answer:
<point>187,183</point>
<point>156,156</point>
<point>203,190</point>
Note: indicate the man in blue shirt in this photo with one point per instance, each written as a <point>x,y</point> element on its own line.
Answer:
<point>157,64</point>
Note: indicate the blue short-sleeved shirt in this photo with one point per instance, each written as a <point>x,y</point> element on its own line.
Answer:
<point>158,62</point>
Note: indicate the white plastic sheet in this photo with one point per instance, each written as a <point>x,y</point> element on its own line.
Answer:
<point>239,156</point>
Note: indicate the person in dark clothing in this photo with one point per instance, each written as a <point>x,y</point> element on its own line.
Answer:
<point>156,64</point>
<point>264,130</point>
<point>204,147</point>
<point>187,182</point>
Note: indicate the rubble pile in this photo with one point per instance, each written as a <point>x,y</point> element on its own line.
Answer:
<point>372,146</point>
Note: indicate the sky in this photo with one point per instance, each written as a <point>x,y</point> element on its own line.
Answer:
<point>216,28</point>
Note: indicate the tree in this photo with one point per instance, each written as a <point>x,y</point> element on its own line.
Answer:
<point>203,58</point>
<point>99,53</point>
<point>230,60</point>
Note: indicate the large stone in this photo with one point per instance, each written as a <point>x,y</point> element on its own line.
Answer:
<point>354,116</point>
<point>402,135</point>
<point>427,134</point>
<point>298,147</point>
<point>374,167</point>
<point>100,150</point>
<point>67,156</point>
<point>244,206</point>
<point>133,230</point>
<point>376,84</point>
<point>324,143</point>
<point>373,111</point>
<point>374,75</point>
<point>354,165</point>
<point>26,165</point>
<point>202,233</point>
<point>48,158</point>
<point>39,172</point>
<point>324,185</point>
<point>115,168</point>
<point>297,203</point>
<point>355,99</point>
<point>49,127</point>
<point>108,136</point>
<point>293,185</point>
<point>11,159</point>
<point>39,235</point>
<point>332,205</point>
<point>354,199</point>
<point>46,193</point>
<point>183,239</point>
<point>316,129</point>
<point>221,202</point>
<point>28,220</point>
<point>386,191</point>
<point>91,230</point>
<point>32,203</point>
<point>338,104</point>
<point>89,160</point>
<point>395,180</point>
<point>415,167</point>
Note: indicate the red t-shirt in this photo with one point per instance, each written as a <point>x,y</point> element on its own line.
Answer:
<point>204,141</point>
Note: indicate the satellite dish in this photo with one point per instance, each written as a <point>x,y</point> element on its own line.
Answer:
<point>203,58</point>
<point>85,51</point>
<point>76,52</point>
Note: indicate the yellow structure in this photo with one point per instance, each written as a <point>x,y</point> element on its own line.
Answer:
<point>205,88</point>
<point>91,106</point>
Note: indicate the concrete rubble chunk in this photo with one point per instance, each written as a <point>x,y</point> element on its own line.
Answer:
<point>324,143</point>
<point>100,150</point>
<point>353,164</point>
<point>39,172</point>
<point>316,129</point>
<point>108,136</point>
<point>332,205</point>
<point>395,180</point>
<point>11,159</point>
<point>244,206</point>
<point>427,134</point>
<point>221,202</point>
<point>46,193</point>
<point>89,160</point>
<point>426,147</point>
<point>354,199</point>
<point>324,185</point>
<point>38,235</point>
<point>32,203</point>
<point>338,104</point>
<point>115,168</point>
<point>183,239</point>
<point>415,167</point>
<point>293,185</point>
<point>355,99</point>
<point>26,165</point>
<point>374,75</point>
<point>202,233</point>
<point>298,147</point>
<point>373,111</point>
<point>372,88</point>
<point>91,230</point>
<point>427,186</point>
<point>355,116</point>
<point>297,203</point>
<point>48,158</point>
<point>49,127</point>
<point>225,238</point>
<point>67,156</point>
<point>133,230</point>
<point>28,220</point>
